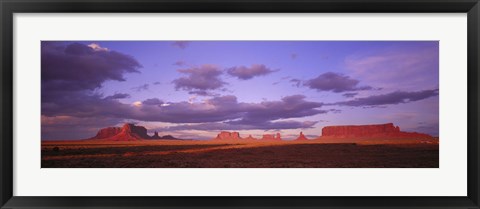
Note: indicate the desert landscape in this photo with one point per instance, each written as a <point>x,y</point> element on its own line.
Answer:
<point>239,104</point>
<point>369,146</point>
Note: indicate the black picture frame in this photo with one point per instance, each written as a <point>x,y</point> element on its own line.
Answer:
<point>10,7</point>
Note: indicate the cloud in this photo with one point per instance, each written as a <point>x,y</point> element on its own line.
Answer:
<point>141,87</point>
<point>97,47</point>
<point>179,63</point>
<point>137,104</point>
<point>294,106</point>
<point>118,96</point>
<point>428,128</point>
<point>226,113</point>
<point>296,82</point>
<point>83,104</point>
<point>397,97</point>
<point>71,73</point>
<point>401,116</point>
<point>225,108</point>
<point>335,82</point>
<point>217,109</point>
<point>336,111</point>
<point>65,127</point>
<point>417,65</point>
<point>246,73</point>
<point>199,80</point>
<point>181,44</point>
<point>219,126</point>
<point>77,67</point>
<point>153,101</point>
<point>350,95</point>
<point>293,56</point>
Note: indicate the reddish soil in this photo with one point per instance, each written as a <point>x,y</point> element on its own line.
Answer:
<point>241,154</point>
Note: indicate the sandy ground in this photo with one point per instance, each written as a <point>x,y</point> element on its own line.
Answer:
<point>326,153</point>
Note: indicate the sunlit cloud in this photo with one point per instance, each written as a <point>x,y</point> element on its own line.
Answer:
<point>97,47</point>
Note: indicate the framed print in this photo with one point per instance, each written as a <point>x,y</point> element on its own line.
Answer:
<point>265,104</point>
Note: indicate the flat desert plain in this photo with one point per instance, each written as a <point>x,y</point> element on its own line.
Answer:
<point>319,153</point>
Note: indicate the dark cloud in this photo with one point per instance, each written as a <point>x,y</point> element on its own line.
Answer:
<point>68,127</point>
<point>245,73</point>
<point>217,109</point>
<point>71,74</point>
<point>181,44</point>
<point>335,110</point>
<point>212,110</point>
<point>202,93</point>
<point>296,82</point>
<point>350,95</point>
<point>218,126</point>
<point>141,87</point>
<point>153,101</point>
<point>335,82</point>
<point>83,104</point>
<point>294,106</point>
<point>76,67</point>
<point>199,79</point>
<point>245,116</point>
<point>397,97</point>
<point>118,96</point>
<point>157,83</point>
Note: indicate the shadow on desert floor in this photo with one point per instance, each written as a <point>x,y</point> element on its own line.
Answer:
<point>234,154</point>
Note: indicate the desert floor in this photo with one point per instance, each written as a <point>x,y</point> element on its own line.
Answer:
<point>241,154</point>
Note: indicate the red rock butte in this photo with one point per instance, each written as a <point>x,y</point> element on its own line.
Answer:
<point>128,132</point>
<point>225,135</point>
<point>301,137</point>
<point>273,137</point>
<point>364,131</point>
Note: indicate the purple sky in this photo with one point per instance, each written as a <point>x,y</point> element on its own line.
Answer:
<point>196,89</point>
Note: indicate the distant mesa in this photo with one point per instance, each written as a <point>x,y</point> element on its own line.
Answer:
<point>225,135</point>
<point>301,137</point>
<point>275,137</point>
<point>348,132</point>
<point>128,132</point>
<point>168,137</point>
<point>369,131</point>
<point>156,136</point>
<point>131,132</point>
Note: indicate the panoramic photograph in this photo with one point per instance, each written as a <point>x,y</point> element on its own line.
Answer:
<point>239,104</point>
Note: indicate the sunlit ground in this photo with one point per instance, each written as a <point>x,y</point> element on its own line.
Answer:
<point>320,153</point>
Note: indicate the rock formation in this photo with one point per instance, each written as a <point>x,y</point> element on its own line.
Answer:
<point>250,137</point>
<point>301,137</point>
<point>107,132</point>
<point>167,137</point>
<point>276,137</point>
<point>128,132</point>
<point>377,130</point>
<point>155,136</point>
<point>268,137</point>
<point>225,135</point>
